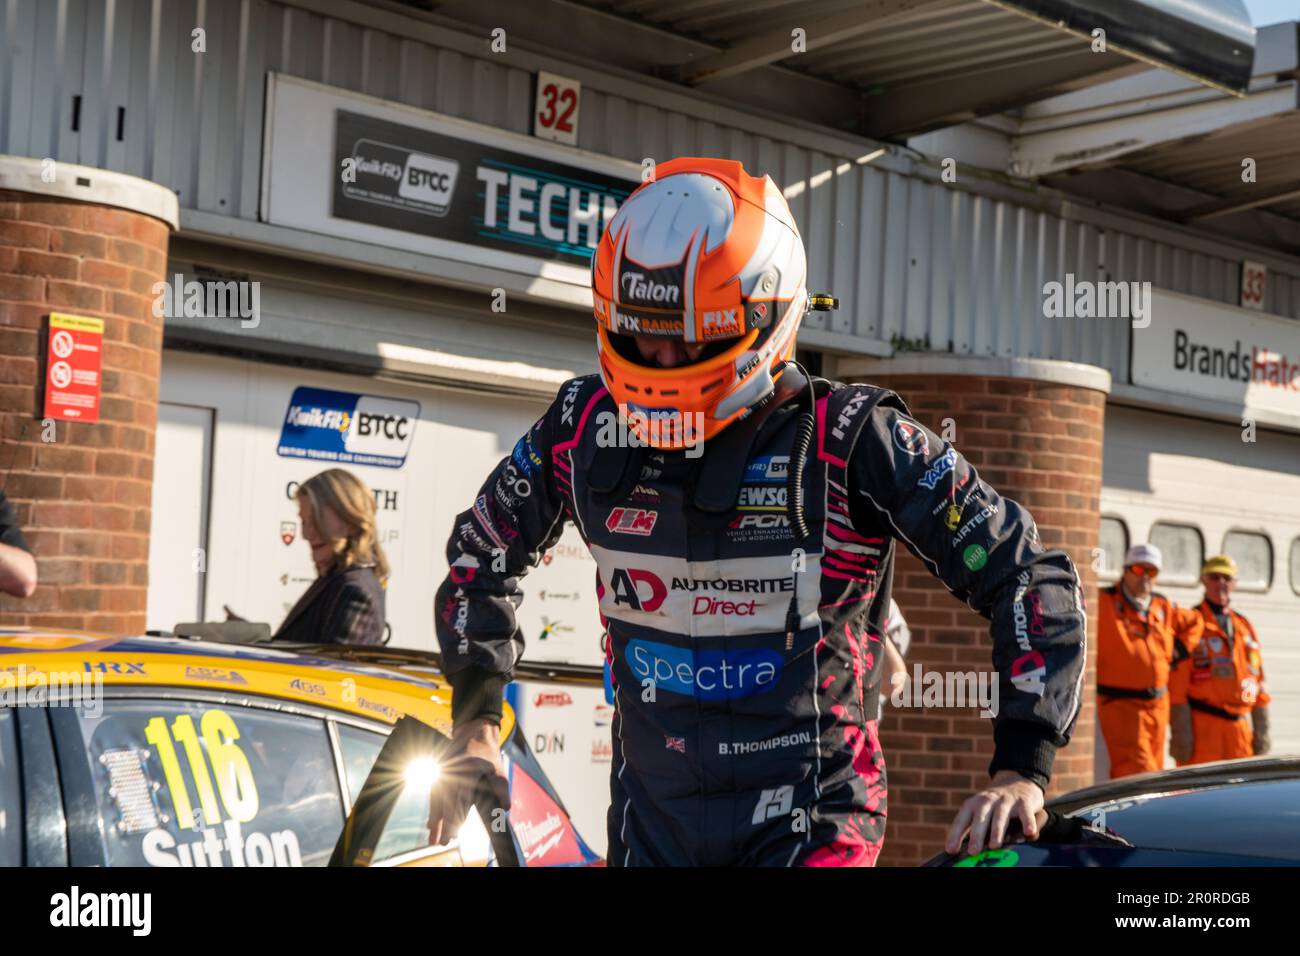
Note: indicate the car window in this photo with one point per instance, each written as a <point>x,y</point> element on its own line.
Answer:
<point>190,783</point>
<point>407,828</point>
<point>11,794</point>
<point>359,749</point>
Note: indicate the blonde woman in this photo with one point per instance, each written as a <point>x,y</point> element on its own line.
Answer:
<point>345,604</point>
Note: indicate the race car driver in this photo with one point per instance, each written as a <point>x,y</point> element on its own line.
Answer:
<point>745,542</point>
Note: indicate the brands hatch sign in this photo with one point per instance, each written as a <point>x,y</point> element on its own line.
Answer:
<point>424,181</point>
<point>1211,350</point>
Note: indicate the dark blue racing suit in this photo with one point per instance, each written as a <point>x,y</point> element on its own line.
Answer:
<point>745,650</point>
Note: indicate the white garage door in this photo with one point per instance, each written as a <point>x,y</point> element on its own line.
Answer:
<point>1197,482</point>
<point>178,552</point>
<point>258,564</point>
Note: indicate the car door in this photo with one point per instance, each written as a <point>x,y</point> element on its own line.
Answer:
<point>387,824</point>
<point>153,778</point>
<point>400,831</point>
<point>33,829</point>
<point>391,808</point>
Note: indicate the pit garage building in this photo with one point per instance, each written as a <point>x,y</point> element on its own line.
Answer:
<point>946,160</point>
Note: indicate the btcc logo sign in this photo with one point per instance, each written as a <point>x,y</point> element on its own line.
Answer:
<point>402,178</point>
<point>348,428</point>
<point>390,426</point>
<point>768,468</point>
<point>430,180</point>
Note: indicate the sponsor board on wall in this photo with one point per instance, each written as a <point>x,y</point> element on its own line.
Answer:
<point>559,615</point>
<point>424,181</point>
<point>319,428</point>
<point>347,428</point>
<point>357,167</point>
<point>258,562</point>
<point>1211,350</point>
<point>569,731</point>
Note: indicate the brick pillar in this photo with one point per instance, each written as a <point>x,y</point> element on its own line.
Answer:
<point>1033,429</point>
<point>90,243</point>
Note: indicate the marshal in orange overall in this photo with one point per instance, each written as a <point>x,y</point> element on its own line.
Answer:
<point>1141,638</point>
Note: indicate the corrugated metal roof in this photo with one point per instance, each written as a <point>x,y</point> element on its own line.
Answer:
<point>910,258</point>
<point>1190,146</point>
<point>949,60</point>
<point>1213,163</point>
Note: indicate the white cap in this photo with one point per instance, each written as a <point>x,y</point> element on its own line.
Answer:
<point>1143,554</point>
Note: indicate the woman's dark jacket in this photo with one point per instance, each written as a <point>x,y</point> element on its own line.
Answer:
<point>344,607</point>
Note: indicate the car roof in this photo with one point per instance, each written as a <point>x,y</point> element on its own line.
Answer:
<point>1249,770</point>
<point>319,675</point>
<point>1241,807</point>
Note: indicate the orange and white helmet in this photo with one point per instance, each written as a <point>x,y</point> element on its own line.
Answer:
<point>704,253</point>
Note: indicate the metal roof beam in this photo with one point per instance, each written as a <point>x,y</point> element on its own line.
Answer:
<point>1239,202</point>
<point>911,108</point>
<point>775,44</point>
<point>1124,130</point>
<point>1277,55</point>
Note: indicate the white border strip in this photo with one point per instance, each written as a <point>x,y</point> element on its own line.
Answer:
<point>87,184</point>
<point>983,366</point>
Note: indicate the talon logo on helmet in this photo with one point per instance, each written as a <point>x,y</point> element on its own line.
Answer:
<point>639,289</point>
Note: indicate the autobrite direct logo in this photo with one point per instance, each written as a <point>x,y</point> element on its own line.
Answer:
<point>348,428</point>
<point>1029,669</point>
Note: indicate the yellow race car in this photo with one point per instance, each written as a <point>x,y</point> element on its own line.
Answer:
<point>165,751</point>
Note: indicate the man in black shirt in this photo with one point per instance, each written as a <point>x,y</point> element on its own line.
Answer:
<point>17,566</point>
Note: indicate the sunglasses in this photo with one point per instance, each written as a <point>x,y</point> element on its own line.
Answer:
<point>1143,571</point>
<point>1225,578</point>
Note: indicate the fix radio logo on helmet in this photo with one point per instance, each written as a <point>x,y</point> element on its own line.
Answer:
<point>709,256</point>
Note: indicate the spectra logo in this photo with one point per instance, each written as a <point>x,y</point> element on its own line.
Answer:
<point>705,675</point>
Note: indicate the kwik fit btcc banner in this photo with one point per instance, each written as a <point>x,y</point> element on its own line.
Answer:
<point>425,182</point>
<point>362,168</point>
